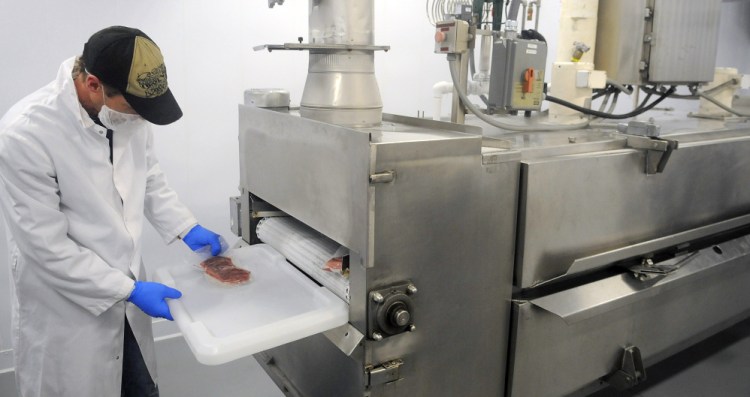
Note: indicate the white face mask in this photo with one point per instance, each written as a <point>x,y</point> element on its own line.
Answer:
<point>115,120</point>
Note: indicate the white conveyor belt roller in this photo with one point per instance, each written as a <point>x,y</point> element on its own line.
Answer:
<point>307,249</point>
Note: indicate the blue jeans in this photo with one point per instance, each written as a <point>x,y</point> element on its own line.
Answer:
<point>136,381</point>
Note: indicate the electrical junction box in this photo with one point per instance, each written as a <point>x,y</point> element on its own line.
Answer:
<point>517,75</point>
<point>451,37</point>
<point>658,41</point>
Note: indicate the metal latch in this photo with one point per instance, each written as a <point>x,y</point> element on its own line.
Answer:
<point>658,151</point>
<point>631,371</point>
<point>384,373</point>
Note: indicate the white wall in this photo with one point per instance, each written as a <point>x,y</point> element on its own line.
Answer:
<point>208,50</point>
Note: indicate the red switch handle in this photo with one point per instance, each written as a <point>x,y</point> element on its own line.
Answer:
<point>528,81</point>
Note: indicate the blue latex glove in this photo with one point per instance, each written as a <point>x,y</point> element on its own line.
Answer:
<point>150,297</point>
<point>199,237</point>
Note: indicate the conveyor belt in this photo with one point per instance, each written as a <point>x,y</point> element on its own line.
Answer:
<point>307,249</point>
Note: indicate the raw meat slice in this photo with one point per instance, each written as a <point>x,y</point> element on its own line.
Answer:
<point>338,265</point>
<point>334,265</point>
<point>222,269</point>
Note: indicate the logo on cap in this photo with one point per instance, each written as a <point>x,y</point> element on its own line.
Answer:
<point>148,75</point>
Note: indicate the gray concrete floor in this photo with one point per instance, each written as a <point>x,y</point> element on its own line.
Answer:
<point>180,375</point>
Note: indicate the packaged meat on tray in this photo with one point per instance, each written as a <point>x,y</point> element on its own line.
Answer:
<point>221,269</point>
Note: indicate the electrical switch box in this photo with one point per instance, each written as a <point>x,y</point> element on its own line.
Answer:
<point>658,41</point>
<point>451,37</point>
<point>517,75</point>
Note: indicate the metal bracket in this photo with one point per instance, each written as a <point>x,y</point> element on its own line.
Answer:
<point>384,373</point>
<point>345,337</point>
<point>321,47</point>
<point>640,128</point>
<point>658,151</point>
<point>631,371</point>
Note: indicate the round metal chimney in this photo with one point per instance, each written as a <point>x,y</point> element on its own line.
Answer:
<point>341,87</point>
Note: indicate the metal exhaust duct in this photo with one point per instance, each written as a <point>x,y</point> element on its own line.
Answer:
<point>341,87</point>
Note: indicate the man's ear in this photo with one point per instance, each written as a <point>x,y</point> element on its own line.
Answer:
<point>92,83</point>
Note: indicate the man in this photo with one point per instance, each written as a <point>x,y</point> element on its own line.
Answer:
<point>77,174</point>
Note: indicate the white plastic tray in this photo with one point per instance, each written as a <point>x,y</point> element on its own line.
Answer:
<point>279,305</point>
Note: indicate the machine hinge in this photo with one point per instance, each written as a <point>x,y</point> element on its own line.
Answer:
<point>383,177</point>
<point>384,373</point>
<point>631,371</point>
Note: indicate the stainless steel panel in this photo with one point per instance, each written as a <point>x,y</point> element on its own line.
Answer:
<point>314,367</point>
<point>446,223</point>
<point>316,172</point>
<point>577,206</point>
<point>619,39</point>
<point>535,145</point>
<point>598,260</point>
<point>676,44</point>
<point>684,40</point>
<point>559,352</point>
<point>235,211</point>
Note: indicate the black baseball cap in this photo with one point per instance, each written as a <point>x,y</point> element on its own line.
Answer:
<point>127,59</point>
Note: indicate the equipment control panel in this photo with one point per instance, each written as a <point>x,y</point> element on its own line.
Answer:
<point>517,75</point>
<point>451,37</point>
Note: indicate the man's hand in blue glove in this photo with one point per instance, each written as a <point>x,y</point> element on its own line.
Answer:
<point>199,237</point>
<point>150,297</point>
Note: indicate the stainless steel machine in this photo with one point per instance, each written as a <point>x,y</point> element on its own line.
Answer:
<point>489,262</point>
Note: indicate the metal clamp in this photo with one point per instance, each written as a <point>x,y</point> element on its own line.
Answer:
<point>631,371</point>
<point>658,151</point>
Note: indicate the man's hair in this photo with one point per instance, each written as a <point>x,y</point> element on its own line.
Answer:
<point>79,69</point>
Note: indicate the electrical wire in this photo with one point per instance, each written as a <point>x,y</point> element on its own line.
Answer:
<point>602,92</point>
<point>645,100</point>
<point>437,9</point>
<point>496,122</point>
<point>627,90</point>
<point>723,106</point>
<point>613,105</point>
<point>604,102</point>
<point>721,86</point>
<point>653,90</point>
<point>603,115</point>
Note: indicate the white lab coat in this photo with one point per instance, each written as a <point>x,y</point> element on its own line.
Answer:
<point>75,224</point>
